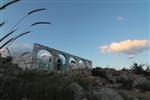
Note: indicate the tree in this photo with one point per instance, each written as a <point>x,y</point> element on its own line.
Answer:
<point>137,68</point>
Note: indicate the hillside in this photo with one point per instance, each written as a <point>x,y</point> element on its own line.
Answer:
<point>95,84</point>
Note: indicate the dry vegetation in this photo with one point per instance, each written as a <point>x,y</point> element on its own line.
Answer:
<point>102,84</point>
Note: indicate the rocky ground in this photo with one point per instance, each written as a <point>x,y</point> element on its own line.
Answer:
<point>95,84</point>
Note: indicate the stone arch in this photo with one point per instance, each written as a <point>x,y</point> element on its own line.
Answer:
<point>81,63</point>
<point>60,62</point>
<point>36,49</point>
<point>87,64</point>
<point>44,59</point>
<point>72,63</point>
<point>55,56</point>
<point>62,58</point>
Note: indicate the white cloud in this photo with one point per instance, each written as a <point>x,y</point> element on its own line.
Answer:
<point>128,47</point>
<point>119,18</point>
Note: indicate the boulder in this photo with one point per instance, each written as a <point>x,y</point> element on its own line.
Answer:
<point>143,84</point>
<point>106,94</point>
<point>77,90</point>
<point>128,96</point>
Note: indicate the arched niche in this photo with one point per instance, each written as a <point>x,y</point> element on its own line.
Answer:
<point>61,62</point>
<point>62,58</point>
<point>72,63</point>
<point>81,64</point>
<point>44,59</point>
<point>88,65</point>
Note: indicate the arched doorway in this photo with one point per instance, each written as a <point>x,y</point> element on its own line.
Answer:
<point>44,60</point>
<point>61,63</point>
<point>72,63</point>
<point>81,64</point>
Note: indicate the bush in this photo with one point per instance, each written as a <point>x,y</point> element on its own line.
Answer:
<point>35,87</point>
<point>99,72</point>
<point>147,70</point>
<point>137,68</point>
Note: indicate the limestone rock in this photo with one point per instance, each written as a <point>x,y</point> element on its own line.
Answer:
<point>142,84</point>
<point>77,90</point>
<point>107,94</point>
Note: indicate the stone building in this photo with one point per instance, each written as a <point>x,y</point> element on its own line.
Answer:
<point>50,59</point>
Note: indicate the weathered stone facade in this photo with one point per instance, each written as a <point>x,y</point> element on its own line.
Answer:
<point>54,62</point>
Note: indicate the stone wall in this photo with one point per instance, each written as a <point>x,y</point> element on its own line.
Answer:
<point>55,57</point>
<point>54,63</point>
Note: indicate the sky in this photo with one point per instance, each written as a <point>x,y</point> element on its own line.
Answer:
<point>111,33</point>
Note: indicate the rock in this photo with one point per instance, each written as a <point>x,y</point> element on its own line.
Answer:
<point>77,90</point>
<point>123,77</point>
<point>116,86</point>
<point>97,82</point>
<point>142,84</point>
<point>111,78</point>
<point>106,94</point>
<point>128,96</point>
<point>24,99</point>
<point>126,79</point>
<point>84,99</point>
<point>1,75</point>
<point>148,78</point>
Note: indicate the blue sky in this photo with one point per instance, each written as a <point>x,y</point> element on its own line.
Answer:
<point>82,27</point>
